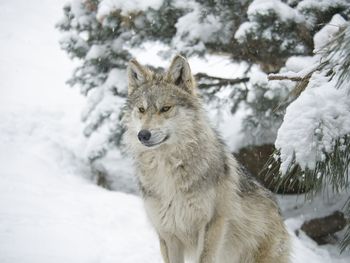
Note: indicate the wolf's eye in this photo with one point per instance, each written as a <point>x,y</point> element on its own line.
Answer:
<point>165,109</point>
<point>142,109</point>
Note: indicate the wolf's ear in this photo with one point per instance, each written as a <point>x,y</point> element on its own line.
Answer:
<point>137,75</point>
<point>179,73</point>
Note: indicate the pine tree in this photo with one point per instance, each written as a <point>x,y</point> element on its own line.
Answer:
<point>100,34</point>
<point>100,76</point>
<point>313,142</point>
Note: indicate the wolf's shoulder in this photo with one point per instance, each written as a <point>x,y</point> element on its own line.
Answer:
<point>249,184</point>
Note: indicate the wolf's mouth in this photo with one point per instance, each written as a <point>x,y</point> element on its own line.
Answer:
<point>151,144</point>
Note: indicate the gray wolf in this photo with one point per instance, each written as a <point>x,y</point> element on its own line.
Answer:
<point>200,202</point>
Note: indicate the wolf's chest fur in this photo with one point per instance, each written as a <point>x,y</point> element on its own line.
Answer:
<point>172,199</point>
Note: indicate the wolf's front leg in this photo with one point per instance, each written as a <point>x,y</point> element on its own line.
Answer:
<point>164,250</point>
<point>209,239</point>
<point>172,249</point>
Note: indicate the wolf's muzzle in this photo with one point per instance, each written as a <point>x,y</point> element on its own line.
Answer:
<point>152,139</point>
<point>144,135</point>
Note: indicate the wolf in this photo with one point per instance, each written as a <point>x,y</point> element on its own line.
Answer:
<point>202,205</point>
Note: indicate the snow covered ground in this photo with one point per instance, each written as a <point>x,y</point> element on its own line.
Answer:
<point>50,211</point>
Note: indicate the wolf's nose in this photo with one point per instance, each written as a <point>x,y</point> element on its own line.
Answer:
<point>144,135</point>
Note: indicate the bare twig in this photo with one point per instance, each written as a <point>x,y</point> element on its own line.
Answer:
<point>281,77</point>
<point>217,81</point>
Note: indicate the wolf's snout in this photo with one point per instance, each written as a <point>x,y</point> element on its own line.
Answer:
<point>144,135</point>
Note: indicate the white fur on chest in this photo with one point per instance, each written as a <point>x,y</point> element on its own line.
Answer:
<point>170,209</point>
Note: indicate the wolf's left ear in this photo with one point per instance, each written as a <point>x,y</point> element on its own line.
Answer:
<point>179,73</point>
<point>137,75</point>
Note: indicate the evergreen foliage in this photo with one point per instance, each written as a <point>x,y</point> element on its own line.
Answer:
<point>327,165</point>
<point>101,33</point>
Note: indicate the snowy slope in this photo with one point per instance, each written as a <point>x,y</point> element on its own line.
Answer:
<point>50,211</point>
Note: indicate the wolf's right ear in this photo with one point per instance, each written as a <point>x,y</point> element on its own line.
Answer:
<point>137,75</point>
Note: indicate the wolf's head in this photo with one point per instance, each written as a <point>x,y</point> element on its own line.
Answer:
<point>161,108</point>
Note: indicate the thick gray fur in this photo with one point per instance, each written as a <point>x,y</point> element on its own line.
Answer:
<point>201,204</point>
